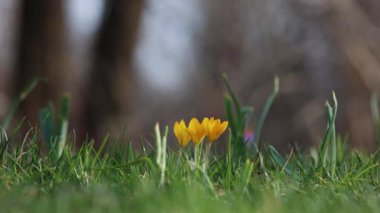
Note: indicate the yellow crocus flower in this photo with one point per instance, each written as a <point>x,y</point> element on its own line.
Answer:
<point>214,128</point>
<point>181,133</point>
<point>197,131</point>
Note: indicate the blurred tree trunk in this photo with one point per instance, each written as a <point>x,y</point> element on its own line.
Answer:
<point>41,52</point>
<point>111,76</point>
<point>9,11</point>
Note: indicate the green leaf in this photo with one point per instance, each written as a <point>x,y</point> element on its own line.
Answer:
<point>230,116</point>
<point>55,130</point>
<point>265,111</point>
<point>246,113</point>
<point>247,174</point>
<point>278,159</point>
<point>333,136</point>
<point>376,117</point>
<point>63,124</point>
<point>229,160</point>
<point>329,139</point>
<point>18,100</point>
<point>232,94</point>
<point>46,117</point>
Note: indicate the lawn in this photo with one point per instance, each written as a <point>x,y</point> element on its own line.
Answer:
<point>45,171</point>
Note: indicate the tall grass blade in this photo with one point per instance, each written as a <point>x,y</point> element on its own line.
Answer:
<point>264,112</point>
<point>237,127</point>
<point>54,129</point>
<point>232,94</point>
<point>278,159</point>
<point>63,125</point>
<point>323,150</point>
<point>158,144</point>
<point>376,117</point>
<point>230,116</point>
<point>18,100</point>
<point>47,120</point>
<point>245,178</point>
<point>329,140</point>
<point>229,161</point>
<point>246,115</point>
<point>161,150</point>
<point>333,136</point>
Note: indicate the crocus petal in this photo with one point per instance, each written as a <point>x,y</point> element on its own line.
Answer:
<point>224,126</point>
<point>196,130</point>
<point>215,129</point>
<point>205,123</point>
<point>181,133</point>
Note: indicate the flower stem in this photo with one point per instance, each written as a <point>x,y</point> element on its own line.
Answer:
<point>207,153</point>
<point>197,154</point>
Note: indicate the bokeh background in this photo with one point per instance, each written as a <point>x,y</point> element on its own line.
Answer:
<point>133,63</point>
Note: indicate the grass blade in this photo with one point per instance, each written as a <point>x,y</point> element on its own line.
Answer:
<point>333,137</point>
<point>229,161</point>
<point>232,94</point>
<point>245,178</point>
<point>265,110</point>
<point>230,116</point>
<point>46,117</point>
<point>376,117</point>
<point>16,103</point>
<point>329,139</point>
<point>278,159</point>
<point>63,125</point>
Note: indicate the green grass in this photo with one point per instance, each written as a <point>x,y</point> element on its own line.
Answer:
<point>44,171</point>
<point>118,180</point>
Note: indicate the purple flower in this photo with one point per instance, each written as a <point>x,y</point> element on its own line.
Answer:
<point>249,136</point>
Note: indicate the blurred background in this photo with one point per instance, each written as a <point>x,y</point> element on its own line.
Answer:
<point>129,64</point>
